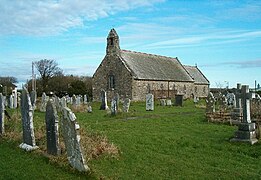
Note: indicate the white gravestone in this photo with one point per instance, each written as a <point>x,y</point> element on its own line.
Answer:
<point>149,102</point>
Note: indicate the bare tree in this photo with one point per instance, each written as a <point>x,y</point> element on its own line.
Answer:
<point>47,69</point>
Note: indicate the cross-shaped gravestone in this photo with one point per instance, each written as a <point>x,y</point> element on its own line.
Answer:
<point>246,129</point>
<point>52,133</point>
<point>246,96</point>
<point>2,114</point>
<point>149,102</point>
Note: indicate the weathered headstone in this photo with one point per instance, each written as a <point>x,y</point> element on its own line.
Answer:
<point>178,100</point>
<point>27,122</point>
<point>52,132</point>
<point>113,107</point>
<point>195,99</point>
<point>15,98</point>
<point>104,105</point>
<point>74,100</point>
<point>78,101</point>
<point>126,105</point>
<point>231,100</point>
<point>44,102</point>
<point>63,102</point>
<point>11,101</point>
<point>70,131</point>
<point>2,114</point>
<point>210,103</point>
<point>85,99</point>
<point>33,96</point>
<point>246,129</point>
<point>168,102</point>
<point>163,102</point>
<point>149,102</point>
<point>89,108</point>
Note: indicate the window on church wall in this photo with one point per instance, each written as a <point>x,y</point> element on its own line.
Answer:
<point>204,89</point>
<point>111,82</point>
<point>185,88</point>
<point>196,89</point>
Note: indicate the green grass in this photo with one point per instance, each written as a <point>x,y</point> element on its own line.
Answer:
<point>168,143</point>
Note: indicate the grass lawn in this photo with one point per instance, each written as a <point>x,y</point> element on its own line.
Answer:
<point>168,143</point>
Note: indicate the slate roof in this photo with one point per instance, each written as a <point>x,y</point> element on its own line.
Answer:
<point>154,67</point>
<point>196,74</point>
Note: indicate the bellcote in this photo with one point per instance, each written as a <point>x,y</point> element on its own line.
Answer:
<point>113,45</point>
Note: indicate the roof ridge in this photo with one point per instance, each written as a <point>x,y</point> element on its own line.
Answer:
<point>149,54</point>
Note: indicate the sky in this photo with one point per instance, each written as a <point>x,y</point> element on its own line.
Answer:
<point>221,37</point>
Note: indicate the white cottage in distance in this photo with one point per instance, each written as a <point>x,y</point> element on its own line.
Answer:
<point>134,74</point>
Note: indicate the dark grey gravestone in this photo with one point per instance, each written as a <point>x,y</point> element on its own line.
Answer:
<point>2,115</point>
<point>27,120</point>
<point>231,100</point>
<point>178,100</point>
<point>33,96</point>
<point>246,129</point>
<point>52,133</point>
<point>71,136</point>
<point>104,105</point>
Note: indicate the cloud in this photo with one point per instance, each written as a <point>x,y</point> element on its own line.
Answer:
<point>237,64</point>
<point>20,17</point>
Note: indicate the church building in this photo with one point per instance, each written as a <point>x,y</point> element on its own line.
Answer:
<point>134,74</point>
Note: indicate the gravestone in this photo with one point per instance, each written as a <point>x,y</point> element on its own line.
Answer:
<point>237,111</point>
<point>246,129</point>
<point>71,136</point>
<point>63,102</point>
<point>2,115</point>
<point>126,105</point>
<point>168,102</point>
<point>33,96</point>
<point>74,99</point>
<point>114,107</point>
<point>149,102</point>
<point>223,101</point>
<point>231,100</point>
<point>11,101</point>
<point>178,100</point>
<point>85,99</point>
<point>163,102</point>
<point>52,132</point>
<point>15,99</point>
<point>195,99</point>
<point>78,101</point>
<point>210,103</point>
<point>89,108</point>
<point>27,122</point>
<point>44,102</point>
<point>104,105</point>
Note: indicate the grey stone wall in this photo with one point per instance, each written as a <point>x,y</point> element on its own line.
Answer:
<point>112,65</point>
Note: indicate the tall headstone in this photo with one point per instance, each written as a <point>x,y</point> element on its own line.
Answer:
<point>11,101</point>
<point>52,132</point>
<point>126,105</point>
<point>63,102</point>
<point>2,114</point>
<point>15,98</point>
<point>104,105</point>
<point>27,122</point>
<point>33,96</point>
<point>74,100</point>
<point>85,99</point>
<point>71,136</point>
<point>246,129</point>
<point>210,103</point>
<point>113,107</point>
<point>44,102</point>
<point>149,102</point>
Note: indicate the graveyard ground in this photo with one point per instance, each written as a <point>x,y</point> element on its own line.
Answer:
<point>168,143</point>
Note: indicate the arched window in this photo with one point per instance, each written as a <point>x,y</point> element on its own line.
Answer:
<point>111,82</point>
